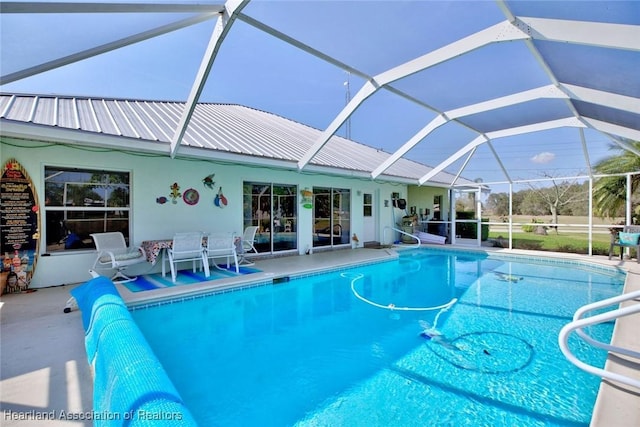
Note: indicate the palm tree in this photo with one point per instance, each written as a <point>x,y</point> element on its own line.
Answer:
<point>610,193</point>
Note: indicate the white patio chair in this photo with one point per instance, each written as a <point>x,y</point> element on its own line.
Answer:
<point>113,254</point>
<point>222,245</point>
<point>187,247</point>
<point>249,238</point>
<point>246,243</point>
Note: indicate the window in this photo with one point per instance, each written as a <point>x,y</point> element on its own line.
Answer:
<point>367,205</point>
<point>79,202</point>
<point>437,202</point>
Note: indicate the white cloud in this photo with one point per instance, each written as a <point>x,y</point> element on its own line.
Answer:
<point>544,157</point>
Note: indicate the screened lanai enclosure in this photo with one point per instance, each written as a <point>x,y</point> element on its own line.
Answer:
<point>525,99</point>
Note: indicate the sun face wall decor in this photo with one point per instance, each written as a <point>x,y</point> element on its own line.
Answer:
<point>191,196</point>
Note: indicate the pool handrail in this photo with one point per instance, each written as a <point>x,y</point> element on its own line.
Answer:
<point>579,322</point>
<point>384,235</point>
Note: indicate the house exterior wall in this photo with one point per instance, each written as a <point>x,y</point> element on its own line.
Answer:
<point>422,197</point>
<point>152,177</point>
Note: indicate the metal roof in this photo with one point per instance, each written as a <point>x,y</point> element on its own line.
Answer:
<point>479,76</point>
<point>237,131</point>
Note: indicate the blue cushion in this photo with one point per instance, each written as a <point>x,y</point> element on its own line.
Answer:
<point>628,238</point>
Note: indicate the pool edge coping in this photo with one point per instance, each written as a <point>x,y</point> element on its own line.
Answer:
<point>138,300</point>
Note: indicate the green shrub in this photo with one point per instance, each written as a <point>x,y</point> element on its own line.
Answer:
<point>531,228</point>
<point>469,230</point>
<point>566,243</point>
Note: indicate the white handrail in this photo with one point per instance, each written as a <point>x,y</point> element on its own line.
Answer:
<point>599,304</point>
<point>384,234</point>
<point>578,323</point>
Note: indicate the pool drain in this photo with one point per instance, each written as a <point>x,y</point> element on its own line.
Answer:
<point>487,352</point>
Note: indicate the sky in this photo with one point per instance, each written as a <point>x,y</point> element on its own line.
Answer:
<point>257,70</point>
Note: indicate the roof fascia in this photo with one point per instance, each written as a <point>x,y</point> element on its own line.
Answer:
<point>231,10</point>
<point>28,131</point>
<point>553,124</point>
<point>76,137</point>
<point>503,31</point>
<point>289,165</point>
<point>107,47</point>
<point>236,158</point>
<point>348,173</point>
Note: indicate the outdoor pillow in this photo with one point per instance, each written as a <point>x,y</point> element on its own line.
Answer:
<point>628,238</point>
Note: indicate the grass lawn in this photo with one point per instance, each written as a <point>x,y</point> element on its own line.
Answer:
<point>572,239</point>
<point>562,219</point>
<point>567,242</point>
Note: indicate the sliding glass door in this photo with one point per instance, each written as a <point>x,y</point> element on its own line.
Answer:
<point>331,216</point>
<point>273,208</point>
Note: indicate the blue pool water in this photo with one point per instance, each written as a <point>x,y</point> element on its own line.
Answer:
<point>309,352</point>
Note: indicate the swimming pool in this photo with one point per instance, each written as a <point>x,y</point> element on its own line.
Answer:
<point>337,349</point>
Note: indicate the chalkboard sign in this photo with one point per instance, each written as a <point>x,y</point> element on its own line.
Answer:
<point>19,226</point>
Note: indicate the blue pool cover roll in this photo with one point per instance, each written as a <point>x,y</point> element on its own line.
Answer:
<point>131,388</point>
<point>92,295</point>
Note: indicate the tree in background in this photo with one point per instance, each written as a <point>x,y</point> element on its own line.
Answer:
<point>610,193</point>
<point>533,204</point>
<point>466,202</point>
<point>498,204</point>
<point>557,197</point>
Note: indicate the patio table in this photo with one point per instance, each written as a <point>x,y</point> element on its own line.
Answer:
<point>153,248</point>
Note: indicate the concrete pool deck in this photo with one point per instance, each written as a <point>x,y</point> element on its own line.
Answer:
<point>45,377</point>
